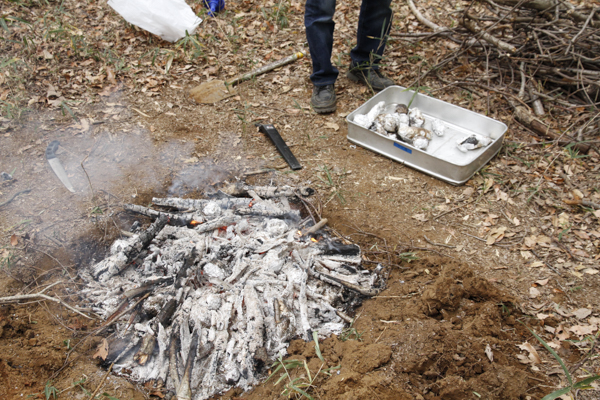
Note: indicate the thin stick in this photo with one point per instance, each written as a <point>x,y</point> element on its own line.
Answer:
<point>15,196</point>
<point>39,296</point>
<point>438,244</point>
<point>102,381</point>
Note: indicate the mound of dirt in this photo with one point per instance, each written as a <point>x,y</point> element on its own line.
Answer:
<point>437,332</point>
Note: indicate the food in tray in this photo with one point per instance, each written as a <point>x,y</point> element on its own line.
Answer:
<point>416,117</point>
<point>397,121</point>
<point>438,127</point>
<point>418,137</point>
<point>366,120</point>
<point>472,142</point>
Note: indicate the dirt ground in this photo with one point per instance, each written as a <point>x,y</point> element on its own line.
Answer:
<point>502,253</point>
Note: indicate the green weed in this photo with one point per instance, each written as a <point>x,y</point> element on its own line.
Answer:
<point>327,178</point>
<point>300,386</point>
<point>50,391</point>
<point>350,333</point>
<point>580,385</point>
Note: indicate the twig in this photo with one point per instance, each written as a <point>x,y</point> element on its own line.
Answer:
<point>438,244</point>
<point>93,396</point>
<point>423,20</point>
<point>15,196</point>
<point>315,227</point>
<point>545,262</point>
<point>39,296</point>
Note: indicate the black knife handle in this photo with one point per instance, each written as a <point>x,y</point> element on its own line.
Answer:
<point>51,149</point>
<point>283,149</point>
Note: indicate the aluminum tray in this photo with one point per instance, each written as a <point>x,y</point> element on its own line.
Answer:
<point>442,159</point>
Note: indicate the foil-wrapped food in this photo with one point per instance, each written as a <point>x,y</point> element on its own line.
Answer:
<point>472,142</point>
<point>397,121</point>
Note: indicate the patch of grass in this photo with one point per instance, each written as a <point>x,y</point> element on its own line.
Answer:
<point>300,386</point>
<point>326,177</point>
<point>50,391</point>
<point>408,257</point>
<point>580,385</point>
<point>573,153</point>
<point>350,333</point>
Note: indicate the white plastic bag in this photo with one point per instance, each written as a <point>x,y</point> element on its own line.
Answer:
<point>168,19</point>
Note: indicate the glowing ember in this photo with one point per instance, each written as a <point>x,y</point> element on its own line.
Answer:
<point>313,240</point>
<point>194,222</point>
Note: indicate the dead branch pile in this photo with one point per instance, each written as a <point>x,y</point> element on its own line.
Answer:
<point>537,54</point>
<point>207,302</point>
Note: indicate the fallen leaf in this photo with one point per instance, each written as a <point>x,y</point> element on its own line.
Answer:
<point>489,353</point>
<point>420,217</point>
<point>583,330</point>
<point>102,350</point>
<point>582,313</point>
<point>562,311</point>
<point>561,333</point>
<point>14,240</point>
<point>332,125</point>
<point>47,55</point>
<point>537,264</point>
<point>495,235</point>
<point>543,282</point>
<point>530,241</point>
<point>468,192</point>
<point>590,271</point>
<point>533,292</point>
<point>582,235</point>
<point>597,213</point>
<point>542,316</point>
<point>534,357</point>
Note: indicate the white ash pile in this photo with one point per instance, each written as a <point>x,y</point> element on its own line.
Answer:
<point>204,299</point>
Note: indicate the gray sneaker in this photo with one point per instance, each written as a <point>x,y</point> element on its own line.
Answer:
<point>323,99</point>
<point>373,78</point>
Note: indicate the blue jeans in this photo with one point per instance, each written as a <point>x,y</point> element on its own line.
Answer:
<point>374,21</point>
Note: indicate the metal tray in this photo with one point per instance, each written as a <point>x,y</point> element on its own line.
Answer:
<point>442,159</point>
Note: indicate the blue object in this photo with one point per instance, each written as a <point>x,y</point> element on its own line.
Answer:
<point>318,19</point>
<point>406,149</point>
<point>214,6</point>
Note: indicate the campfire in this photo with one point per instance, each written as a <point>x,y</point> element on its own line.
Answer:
<point>209,295</point>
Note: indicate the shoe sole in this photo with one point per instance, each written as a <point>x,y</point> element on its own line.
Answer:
<point>358,79</point>
<point>324,110</point>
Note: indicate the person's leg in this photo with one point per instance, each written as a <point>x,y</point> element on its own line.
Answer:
<point>374,24</point>
<point>318,20</point>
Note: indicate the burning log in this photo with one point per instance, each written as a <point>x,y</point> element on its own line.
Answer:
<point>174,219</point>
<point>217,301</point>
<point>125,251</point>
<point>240,189</point>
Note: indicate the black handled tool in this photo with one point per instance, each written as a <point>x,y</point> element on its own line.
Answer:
<point>278,141</point>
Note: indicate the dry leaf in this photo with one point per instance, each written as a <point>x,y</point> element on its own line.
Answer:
<point>468,192</point>
<point>332,125</point>
<point>597,213</point>
<point>530,241</point>
<point>542,316</point>
<point>590,271</point>
<point>14,240</point>
<point>533,292</point>
<point>534,357</point>
<point>537,264</point>
<point>543,282</point>
<point>496,235</point>
<point>489,353</point>
<point>102,350</point>
<point>583,330</point>
<point>561,334</point>
<point>582,313</point>
<point>420,217</point>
